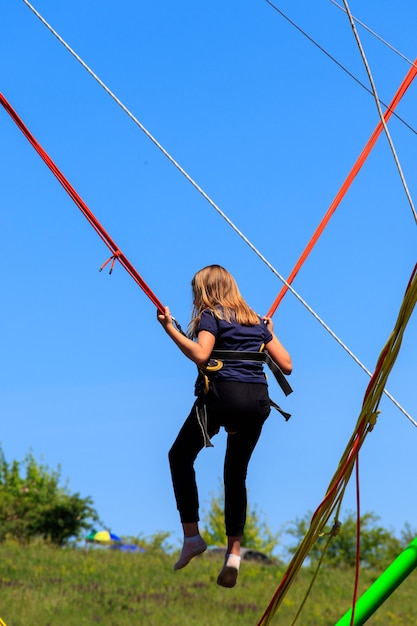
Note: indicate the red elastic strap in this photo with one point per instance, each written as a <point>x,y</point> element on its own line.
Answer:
<point>116,253</point>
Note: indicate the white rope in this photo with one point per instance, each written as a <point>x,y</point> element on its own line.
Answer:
<point>381,115</point>
<point>372,32</point>
<point>196,186</point>
<point>332,58</point>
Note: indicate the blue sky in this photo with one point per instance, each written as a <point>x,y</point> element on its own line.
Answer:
<point>269,127</point>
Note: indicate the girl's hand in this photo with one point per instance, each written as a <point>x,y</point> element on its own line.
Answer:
<point>164,319</point>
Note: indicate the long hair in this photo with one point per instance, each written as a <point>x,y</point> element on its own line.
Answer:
<point>215,289</point>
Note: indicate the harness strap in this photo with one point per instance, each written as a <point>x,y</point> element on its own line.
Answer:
<point>264,357</point>
<point>216,363</point>
<point>284,414</point>
<point>202,420</point>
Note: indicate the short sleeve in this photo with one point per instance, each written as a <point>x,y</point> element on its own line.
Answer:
<point>267,335</point>
<point>208,322</point>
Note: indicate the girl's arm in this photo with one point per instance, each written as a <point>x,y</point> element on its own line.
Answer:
<point>197,351</point>
<point>277,351</point>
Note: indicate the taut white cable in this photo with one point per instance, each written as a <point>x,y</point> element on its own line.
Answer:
<point>372,32</point>
<point>381,115</point>
<point>332,58</point>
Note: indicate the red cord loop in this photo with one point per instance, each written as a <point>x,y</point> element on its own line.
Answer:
<point>112,258</point>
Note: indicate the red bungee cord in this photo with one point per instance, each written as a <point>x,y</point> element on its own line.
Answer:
<point>117,255</point>
<point>411,74</point>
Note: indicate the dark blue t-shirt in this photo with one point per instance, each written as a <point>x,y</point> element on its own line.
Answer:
<point>233,336</point>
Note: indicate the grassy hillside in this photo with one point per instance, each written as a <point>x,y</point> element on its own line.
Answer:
<point>46,586</point>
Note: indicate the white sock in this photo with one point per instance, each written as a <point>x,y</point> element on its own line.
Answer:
<point>191,547</point>
<point>228,575</point>
<point>232,560</point>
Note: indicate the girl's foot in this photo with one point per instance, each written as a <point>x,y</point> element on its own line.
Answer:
<point>191,547</point>
<point>228,575</point>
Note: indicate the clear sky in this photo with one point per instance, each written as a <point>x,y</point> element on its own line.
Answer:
<point>269,127</point>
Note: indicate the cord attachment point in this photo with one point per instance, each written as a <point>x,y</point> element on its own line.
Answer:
<point>111,259</point>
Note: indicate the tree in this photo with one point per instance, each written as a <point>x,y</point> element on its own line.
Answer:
<point>378,546</point>
<point>32,504</point>
<point>407,534</point>
<point>257,535</point>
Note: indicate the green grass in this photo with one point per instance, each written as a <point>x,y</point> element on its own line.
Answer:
<point>45,586</point>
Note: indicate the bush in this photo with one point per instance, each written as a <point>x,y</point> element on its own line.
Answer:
<point>32,504</point>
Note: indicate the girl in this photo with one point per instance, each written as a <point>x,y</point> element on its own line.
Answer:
<point>235,398</point>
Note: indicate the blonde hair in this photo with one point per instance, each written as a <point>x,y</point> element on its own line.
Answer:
<point>215,289</point>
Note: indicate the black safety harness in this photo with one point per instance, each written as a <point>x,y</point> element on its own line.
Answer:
<point>217,358</point>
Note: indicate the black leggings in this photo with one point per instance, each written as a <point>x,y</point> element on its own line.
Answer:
<point>242,409</point>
